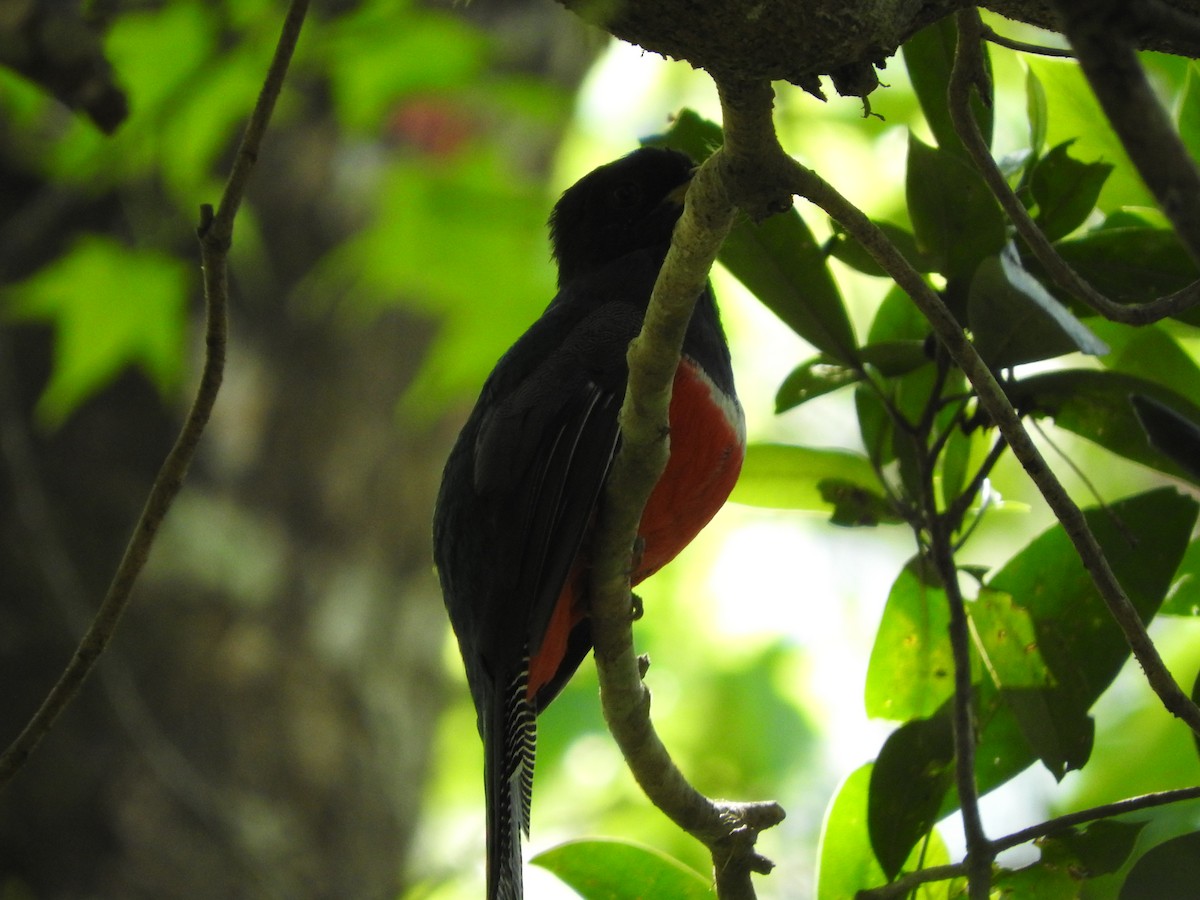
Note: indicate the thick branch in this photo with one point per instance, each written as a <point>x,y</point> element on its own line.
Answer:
<point>968,67</point>
<point>729,830</point>
<point>215,235</point>
<point>1099,32</point>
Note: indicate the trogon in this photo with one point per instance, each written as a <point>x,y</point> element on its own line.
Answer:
<point>520,489</point>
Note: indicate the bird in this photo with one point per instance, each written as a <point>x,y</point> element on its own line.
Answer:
<point>520,489</point>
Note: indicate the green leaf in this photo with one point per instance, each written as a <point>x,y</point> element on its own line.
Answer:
<point>1039,881</point>
<point>1095,405</point>
<point>622,870</point>
<point>1081,645</point>
<point>1172,869</point>
<point>1184,599</point>
<point>846,862</point>
<point>1035,109</point>
<point>111,307</point>
<point>1171,434</point>
<point>911,671</point>
<point>1014,319</point>
<point>956,458</point>
<point>780,262</point>
<point>875,425</point>
<point>956,220</point>
<point>783,476</point>
<point>1066,190</point>
<point>823,374</point>
<point>1132,263</point>
<point>852,253</point>
<point>855,506</point>
<point>1149,352</point>
<point>1189,111</point>
<point>929,58</point>
<point>1099,848</point>
<point>1007,641</point>
<point>910,778</point>
<point>690,132</point>
<point>811,379</point>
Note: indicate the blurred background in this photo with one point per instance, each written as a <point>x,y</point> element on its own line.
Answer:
<point>283,713</point>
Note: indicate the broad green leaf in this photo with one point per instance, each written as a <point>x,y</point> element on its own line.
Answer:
<point>1006,638</point>
<point>1098,848</point>
<point>1149,352</point>
<point>1171,434</point>
<point>855,506</point>
<point>1184,599</point>
<point>1074,113</point>
<point>911,671</point>
<point>690,132</point>
<point>1065,190</point>
<point>811,379</point>
<point>897,319</point>
<point>778,260</point>
<point>1081,645</point>
<point>1014,319</point>
<point>846,863</point>
<point>622,870</point>
<point>956,220</point>
<point>783,476</point>
<point>1035,110</point>
<point>824,374</point>
<point>909,781</point>
<point>1096,405</point>
<point>1039,881</point>
<point>955,459</point>
<point>875,425</point>
<point>852,253</point>
<point>1172,869</point>
<point>111,307</point>
<point>929,58</point>
<point>1132,263</point>
<point>1189,111</point>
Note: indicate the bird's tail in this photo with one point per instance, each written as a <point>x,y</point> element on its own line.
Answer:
<point>508,774</point>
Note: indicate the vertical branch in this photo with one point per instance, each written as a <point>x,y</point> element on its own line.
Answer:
<point>215,233</point>
<point>1100,33</point>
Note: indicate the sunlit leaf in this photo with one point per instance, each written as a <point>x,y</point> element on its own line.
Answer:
<point>1143,539</point>
<point>1184,599</point>
<point>911,670</point>
<point>1007,641</point>
<point>1035,110</point>
<point>111,307</point>
<point>846,863</point>
<point>622,870</point>
<point>1189,111</point>
<point>783,476</point>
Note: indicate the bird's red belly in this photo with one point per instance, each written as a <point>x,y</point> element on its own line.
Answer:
<point>707,448</point>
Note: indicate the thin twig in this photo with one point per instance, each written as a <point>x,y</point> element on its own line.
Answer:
<point>1001,40</point>
<point>215,236</point>
<point>968,66</point>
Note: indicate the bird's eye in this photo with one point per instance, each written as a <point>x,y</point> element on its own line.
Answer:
<point>626,195</point>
